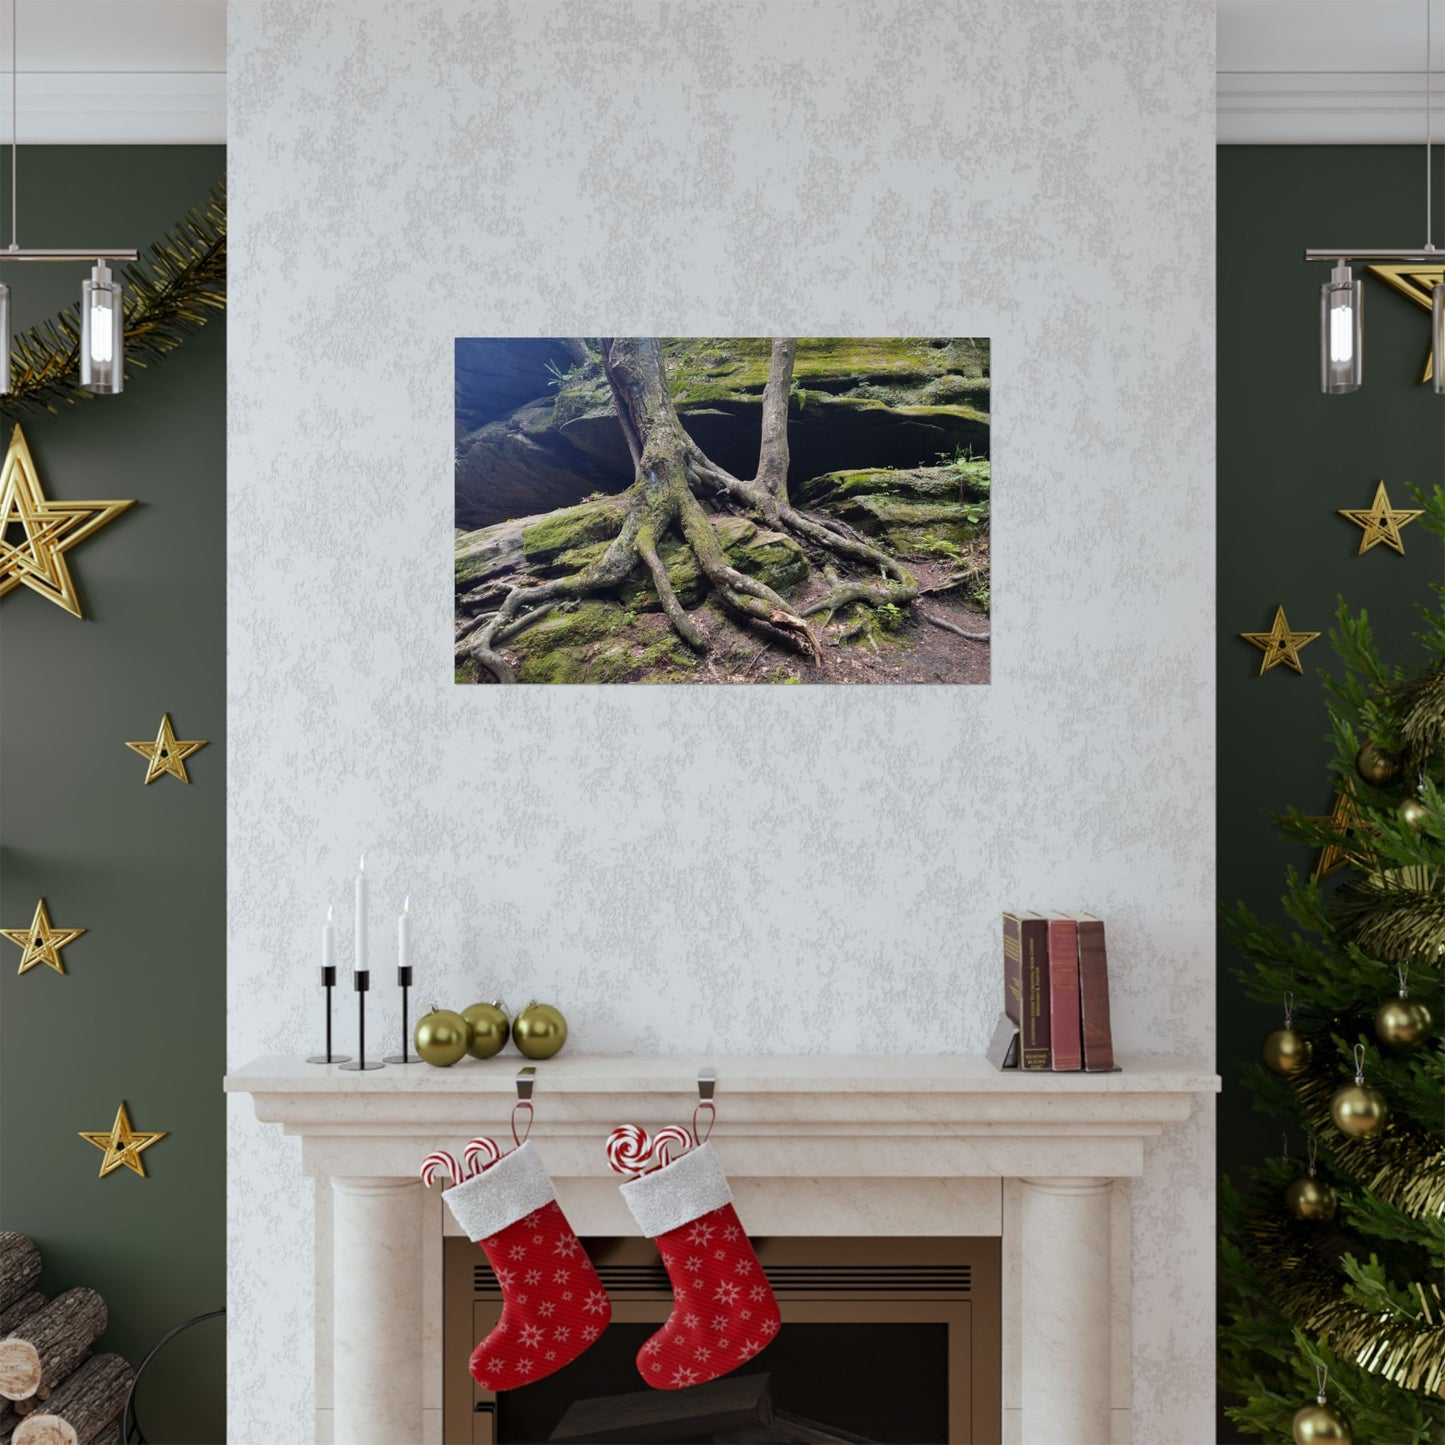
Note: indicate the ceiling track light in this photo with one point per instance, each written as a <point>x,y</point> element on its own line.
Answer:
<point>1342,297</point>
<point>102,308</point>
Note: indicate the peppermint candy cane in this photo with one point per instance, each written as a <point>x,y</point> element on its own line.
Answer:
<point>628,1151</point>
<point>482,1149</point>
<point>673,1139</point>
<point>440,1160</point>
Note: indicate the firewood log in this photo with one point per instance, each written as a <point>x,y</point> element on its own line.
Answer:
<point>731,1403</point>
<point>49,1344</point>
<point>79,1408</point>
<point>22,1308</point>
<point>19,1266</point>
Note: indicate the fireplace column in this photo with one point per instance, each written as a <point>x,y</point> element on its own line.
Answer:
<point>1064,1246</point>
<point>376,1304</point>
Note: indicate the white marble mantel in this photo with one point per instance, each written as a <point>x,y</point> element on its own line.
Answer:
<point>814,1144</point>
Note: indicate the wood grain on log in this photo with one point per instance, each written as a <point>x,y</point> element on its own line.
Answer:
<point>19,1266</point>
<point>86,1403</point>
<point>48,1345</point>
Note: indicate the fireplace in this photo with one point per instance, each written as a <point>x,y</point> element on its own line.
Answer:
<point>883,1340</point>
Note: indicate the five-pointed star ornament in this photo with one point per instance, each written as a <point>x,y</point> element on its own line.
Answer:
<point>167,754</point>
<point>36,531</point>
<point>1280,645</point>
<point>122,1144</point>
<point>41,942</point>
<point>1418,282</point>
<point>1343,820</point>
<point>1381,522</point>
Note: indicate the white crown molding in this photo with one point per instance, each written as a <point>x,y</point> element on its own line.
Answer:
<point>117,108</point>
<point>1334,108</point>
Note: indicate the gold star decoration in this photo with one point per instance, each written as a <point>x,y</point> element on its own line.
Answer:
<point>1418,282</point>
<point>122,1144</point>
<point>41,943</point>
<point>1344,819</point>
<point>1280,645</point>
<point>166,754</point>
<point>36,531</point>
<point>1381,522</point>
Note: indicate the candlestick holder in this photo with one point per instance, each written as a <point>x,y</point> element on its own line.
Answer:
<point>403,979</point>
<point>328,982</point>
<point>362,980</point>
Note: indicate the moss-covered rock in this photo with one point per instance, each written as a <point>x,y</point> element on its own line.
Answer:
<point>600,641</point>
<point>914,512</point>
<point>548,537</point>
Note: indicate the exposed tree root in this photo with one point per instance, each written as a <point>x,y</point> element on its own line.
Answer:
<point>951,627</point>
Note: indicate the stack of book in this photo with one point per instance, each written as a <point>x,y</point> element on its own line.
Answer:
<point>1056,994</point>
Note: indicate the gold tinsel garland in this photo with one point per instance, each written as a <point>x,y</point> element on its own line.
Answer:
<point>1310,1293</point>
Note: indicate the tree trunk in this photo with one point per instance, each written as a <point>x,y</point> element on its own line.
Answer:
<point>50,1343</point>
<point>19,1266</point>
<point>80,1408</point>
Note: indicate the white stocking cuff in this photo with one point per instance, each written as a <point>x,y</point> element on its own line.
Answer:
<point>510,1190</point>
<point>685,1190</point>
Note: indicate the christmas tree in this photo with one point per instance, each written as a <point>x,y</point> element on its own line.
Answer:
<point>1340,1268</point>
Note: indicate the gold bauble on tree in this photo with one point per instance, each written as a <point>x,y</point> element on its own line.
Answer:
<point>1374,766</point>
<point>490,1028</point>
<point>1316,1424</point>
<point>1287,1051</point>
<point>1414,814</point>
<point>1357,1109</point>
<point>1403,1022</point>
<point>1311,1198</point>
<point>441,1038</point>
<point>539,1031</point>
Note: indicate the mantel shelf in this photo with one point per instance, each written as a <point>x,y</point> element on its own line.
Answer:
<point>737,1075</point>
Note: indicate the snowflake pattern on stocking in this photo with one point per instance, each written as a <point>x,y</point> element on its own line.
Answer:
<point>543,1328</point>
<point>710,1331</point>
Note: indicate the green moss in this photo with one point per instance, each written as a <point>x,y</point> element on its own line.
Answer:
<point>560,531</point>
<point>599,641</point>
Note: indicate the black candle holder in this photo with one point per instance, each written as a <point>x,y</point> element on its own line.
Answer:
<point>362,980</point>
<point>328,982</point>
<point>403,979</point>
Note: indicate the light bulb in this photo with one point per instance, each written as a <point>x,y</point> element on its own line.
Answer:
<point>4,337</point>
<point>102,333</point>
<point>1342,305</point>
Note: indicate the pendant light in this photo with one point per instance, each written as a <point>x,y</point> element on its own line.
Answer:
<point>102,310</point>
<point>1342,297</point>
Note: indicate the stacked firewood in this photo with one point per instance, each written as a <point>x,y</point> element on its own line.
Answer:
<point>53,1391</point>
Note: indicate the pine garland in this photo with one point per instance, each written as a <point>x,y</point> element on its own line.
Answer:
<point>171,291</point>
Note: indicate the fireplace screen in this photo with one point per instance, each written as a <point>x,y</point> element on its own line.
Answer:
<point>884,1340</point>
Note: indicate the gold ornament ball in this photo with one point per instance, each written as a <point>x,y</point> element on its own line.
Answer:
<point>539,1031</point>
<point>1311,1198</point>
<point>1314,1424</point>
<point>441,1037</point>
<point>1358,1110</point>
<point>1414,814</point>
<point>1403,1023</point>
<point>489,1027</point>
<point>1287,1051</point>
<point>1374,766</point>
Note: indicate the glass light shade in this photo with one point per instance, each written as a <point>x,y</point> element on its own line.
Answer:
<point>102,333</point>
<point>4,337</point>
<point>1437,335</point>
<point>1342,335</point>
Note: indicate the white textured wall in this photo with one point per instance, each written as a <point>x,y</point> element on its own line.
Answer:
<point>752,869</point>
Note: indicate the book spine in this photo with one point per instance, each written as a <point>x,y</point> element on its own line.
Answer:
<point>1034,1048</point>
<point>1094,998</point>
<point>1012,969</point>
<point>1064,995</point>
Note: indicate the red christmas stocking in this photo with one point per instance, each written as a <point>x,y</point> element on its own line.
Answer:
<point>553,1304</point>
<point>724,1311</point>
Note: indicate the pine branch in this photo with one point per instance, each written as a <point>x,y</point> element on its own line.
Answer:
<point>170,293</point>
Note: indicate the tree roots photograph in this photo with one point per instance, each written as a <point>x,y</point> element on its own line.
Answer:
<point>722,510</point>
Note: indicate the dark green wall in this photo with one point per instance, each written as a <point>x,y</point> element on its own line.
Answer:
<point>1288,457</point>
<point>140,1014</point>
